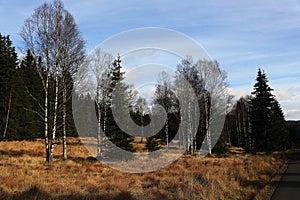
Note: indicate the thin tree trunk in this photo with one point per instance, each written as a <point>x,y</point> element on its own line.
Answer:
<point>142,125</point>
<point>207,117</point>
<point>100,139</point>
<point>46,121</point>
<point>57,52</point>
<point>104,125</point>
<point>167,133</point>
<point>64,123</point>
<point>195,129</point>
<point>7,116</point>
<point>55,113</point>
<point>190,131</point>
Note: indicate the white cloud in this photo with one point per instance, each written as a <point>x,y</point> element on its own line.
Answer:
<point>283,95</point>
<point>293,114</point>
<point>238,93</point>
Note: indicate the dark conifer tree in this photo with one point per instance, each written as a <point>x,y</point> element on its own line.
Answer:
<point>261,105</point>
<point>280,136</point>
<point>221,147</point>
<point>8,65</point>
<point>152,144</point>
<point>121,102</point>
<point>268,131</point>
<point>29,99</point>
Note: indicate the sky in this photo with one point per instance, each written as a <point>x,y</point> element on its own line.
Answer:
<point>241,35</point>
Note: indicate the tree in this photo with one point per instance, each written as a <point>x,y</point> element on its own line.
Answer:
<point>52,36</point>
<point>142,109</point>
<point>100,63</point>
<point>268,130</point>
<point>29,105</point>
<point>221,147</point>
<point>261,105</point>
<point>152,144</point>
<point>119,98</point>
<point>8,65</point>
<point>71,55</point>
<point>243,122</point>
<point>215,99</point>
<point>280,135</point>
<point>208,84</point>
<point>189,84</point>
<point>165,97</point>
<point>237,124</point>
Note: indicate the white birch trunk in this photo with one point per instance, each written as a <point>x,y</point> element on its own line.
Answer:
<point>7,116</point>
<point>55,114</point>
<point>207,124</point>
<point>190,131</point>
<point>167,133</point>
<point>100,139</point>
<point>142,123</point>
<point>46,120</point>
<point>104,126</point>
<point>57,46</point>
<point>64,124</point>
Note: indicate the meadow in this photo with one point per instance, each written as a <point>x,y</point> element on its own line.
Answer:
<point>26,175</point>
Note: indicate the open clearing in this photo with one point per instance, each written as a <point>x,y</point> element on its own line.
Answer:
<point>25,174</point>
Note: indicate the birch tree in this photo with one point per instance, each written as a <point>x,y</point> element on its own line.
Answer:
<point>71,57</point>
<point>51,35</point>
<point>165,97</point>
<point>142,109</point>
<point>215,96</point>
<point>189,84</point>
<point>99,63</point>
<point>36,34</point>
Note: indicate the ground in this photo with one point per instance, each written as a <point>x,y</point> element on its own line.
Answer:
<point>24,173</point>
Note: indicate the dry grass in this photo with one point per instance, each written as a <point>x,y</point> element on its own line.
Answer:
<point>24,173</point>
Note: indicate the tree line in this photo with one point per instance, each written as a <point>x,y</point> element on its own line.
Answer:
<point>37,97</point>
<point>194,100</point>
<point>257,121</point>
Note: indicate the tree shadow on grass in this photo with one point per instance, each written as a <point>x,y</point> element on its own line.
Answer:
<point>19,153</point>
<point>36,193</point>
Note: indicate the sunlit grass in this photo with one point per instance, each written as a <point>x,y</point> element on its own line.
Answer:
<point>238,176</point>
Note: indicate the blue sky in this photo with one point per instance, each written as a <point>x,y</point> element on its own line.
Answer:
<point>240,35</point>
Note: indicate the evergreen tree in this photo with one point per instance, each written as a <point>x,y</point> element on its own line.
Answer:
<point>221,147</point>
<point>280,135</point>
<point>152,144</point>
<point>8,65</point>
<point>29,104</point>
<point>261,105</point>
<point>120,101</point>
<point>268,131</point>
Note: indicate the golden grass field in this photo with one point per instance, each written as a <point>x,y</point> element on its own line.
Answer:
<point>26,175</point>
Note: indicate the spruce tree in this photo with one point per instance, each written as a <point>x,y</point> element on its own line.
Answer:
<point>121,101</point>
<point>261,105</point>
<point>280,136</point>
<point>221,147</point>
<point>29,97</point>
<point>152,144</point>
<point>268,130</point>
<point>8,65</point>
